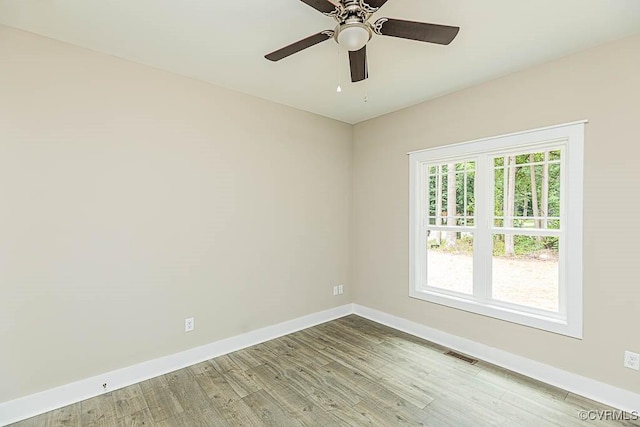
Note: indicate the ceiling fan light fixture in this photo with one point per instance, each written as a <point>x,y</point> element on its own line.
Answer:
<point>353,36</point>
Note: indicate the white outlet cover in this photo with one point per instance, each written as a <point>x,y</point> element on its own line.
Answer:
<point>632,360</point>
<point>189,324</point>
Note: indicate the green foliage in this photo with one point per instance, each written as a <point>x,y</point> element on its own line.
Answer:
<point>551,243</point>
<point>463,245</point>
<point>526,246</point>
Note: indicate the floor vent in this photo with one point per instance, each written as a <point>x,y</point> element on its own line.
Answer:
<point>462,357</point>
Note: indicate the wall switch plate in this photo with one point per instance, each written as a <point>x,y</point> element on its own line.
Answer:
<point>335,290</point>
<point>189,324</point>
<point>340,289</point>
<point>632,360</point>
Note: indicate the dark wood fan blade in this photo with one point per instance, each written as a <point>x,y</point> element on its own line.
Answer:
<point>299,45</point>
<point>420,31</point>
<point>323,6</point>
<point>358,64</point>
<point>375,3</point>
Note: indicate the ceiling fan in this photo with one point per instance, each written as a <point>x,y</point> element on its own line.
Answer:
<point>353,31</point>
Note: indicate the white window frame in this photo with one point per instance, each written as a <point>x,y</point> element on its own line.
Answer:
<point>569,138</point>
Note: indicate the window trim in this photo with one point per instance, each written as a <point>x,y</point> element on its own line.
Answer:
<point>571,136</point>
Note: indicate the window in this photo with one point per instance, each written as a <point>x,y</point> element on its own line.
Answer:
<point>496,227</point>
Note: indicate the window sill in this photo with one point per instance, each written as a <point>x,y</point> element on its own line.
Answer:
<point>552,323</point>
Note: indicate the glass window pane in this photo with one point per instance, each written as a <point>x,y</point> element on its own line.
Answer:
<point>554,155</point>
<point>450,261</point>
<point>520,222</point>
<point>499,192</point>
<point>538,157</point>
<point>470,197</point>
<point>536,198</point>
<point>525,271</point>
<point>432,195</point>
<point>554,190</point>
<point>498,161</point>
<point>444,196</point>
<point>460,190</point>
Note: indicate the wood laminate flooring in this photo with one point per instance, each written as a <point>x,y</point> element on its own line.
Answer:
<point>347,372</point>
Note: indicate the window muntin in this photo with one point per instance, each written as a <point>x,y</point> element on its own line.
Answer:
<point>475,274</point>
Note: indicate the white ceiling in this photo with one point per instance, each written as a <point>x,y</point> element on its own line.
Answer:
<point>224,42</point>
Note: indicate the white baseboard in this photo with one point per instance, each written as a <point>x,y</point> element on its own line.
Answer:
<point>35,404</point>
<point>48,400</point>
<point>583,386</point>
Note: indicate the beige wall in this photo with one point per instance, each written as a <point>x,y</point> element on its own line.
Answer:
<point>131,198</point>
<point>602,85</point>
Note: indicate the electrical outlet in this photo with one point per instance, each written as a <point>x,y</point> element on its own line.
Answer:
<point>340,289</point>
<point>189,324</point>
<point>632,360</point>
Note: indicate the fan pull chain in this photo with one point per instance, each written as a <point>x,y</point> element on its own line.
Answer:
<point>339,88</point>
<point>366,90</point>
